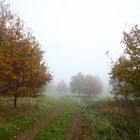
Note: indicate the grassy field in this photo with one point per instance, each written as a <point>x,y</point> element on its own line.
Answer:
<point>114,120</point>
<point>58,129</point>
<point>105,119</point>
<point>14,121</point>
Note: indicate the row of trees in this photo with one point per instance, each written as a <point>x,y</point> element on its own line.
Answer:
<point>125,72</point>
<point>85,84</point>
<point>22,69</point>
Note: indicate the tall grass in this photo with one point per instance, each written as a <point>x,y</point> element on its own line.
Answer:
<point>14,121</point>
<point>115,120</point>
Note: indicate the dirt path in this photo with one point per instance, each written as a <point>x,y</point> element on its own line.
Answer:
<point>80,127</point>
<point>86,126</point>
<point>29,134</point>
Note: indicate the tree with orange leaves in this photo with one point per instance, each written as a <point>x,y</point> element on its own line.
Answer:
<point>22,69</point>
<point>125,73</point>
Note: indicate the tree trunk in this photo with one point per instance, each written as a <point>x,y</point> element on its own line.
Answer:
<point>79,94</point>
<point>126,97</point>
<point>15,101</point>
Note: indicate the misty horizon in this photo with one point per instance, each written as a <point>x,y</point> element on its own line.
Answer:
<point>75,35</point>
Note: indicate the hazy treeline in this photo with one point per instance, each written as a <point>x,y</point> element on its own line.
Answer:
<point>85,84</point>
<point>79,84</point>
<point>23,71</point>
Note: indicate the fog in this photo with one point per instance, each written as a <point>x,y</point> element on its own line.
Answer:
<point>75,34</point>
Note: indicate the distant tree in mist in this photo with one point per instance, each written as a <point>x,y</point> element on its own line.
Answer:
<point>50,87</point>
<point>125,73</point>
<point>85,84</point>
<point>92,86</point>
<point>61,87</point>
<point>77,83</point>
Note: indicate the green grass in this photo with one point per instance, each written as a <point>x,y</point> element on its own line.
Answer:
<point>114,120</point>
<point>111,120</point>
<point>14,121</point>
<point>58,129</point>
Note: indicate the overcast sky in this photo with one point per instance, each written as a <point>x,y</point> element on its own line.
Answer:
<point>76,33</point>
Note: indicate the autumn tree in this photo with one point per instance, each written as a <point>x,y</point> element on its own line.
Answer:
<point>22,69</point>
<point>62,87</point>
<point>76,84</point>
<point>118,74</point>
<point>85,84</point>
<point>92,86</point>
<point>125,73</point>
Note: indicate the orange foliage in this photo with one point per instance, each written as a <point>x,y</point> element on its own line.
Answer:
<point>125,73</point>
<point>22,69</point>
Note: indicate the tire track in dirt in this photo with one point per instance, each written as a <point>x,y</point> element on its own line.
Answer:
<point>75,130</point>
<point>29,134</point>
<point>80,126</point>
<point>86,126</point>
